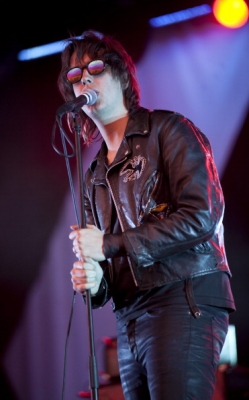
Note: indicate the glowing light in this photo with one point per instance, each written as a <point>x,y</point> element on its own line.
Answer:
<point>231,13</point>
<point>40,51</point>
<point>179,16</point>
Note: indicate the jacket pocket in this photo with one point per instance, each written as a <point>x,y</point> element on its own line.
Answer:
<point>161,211</point>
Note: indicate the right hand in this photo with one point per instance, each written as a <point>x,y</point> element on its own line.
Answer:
<point>87,242</point>
<point>86,274</point>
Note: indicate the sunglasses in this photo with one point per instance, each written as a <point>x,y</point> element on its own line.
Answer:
<point>94,67</point>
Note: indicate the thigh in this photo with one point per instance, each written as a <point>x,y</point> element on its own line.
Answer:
<point>132,373</point>
<point>174,354</point>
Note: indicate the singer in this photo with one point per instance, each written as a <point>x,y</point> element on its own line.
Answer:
<point>154,237</point>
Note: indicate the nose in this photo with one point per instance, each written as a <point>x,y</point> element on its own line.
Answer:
<point>86,77</point>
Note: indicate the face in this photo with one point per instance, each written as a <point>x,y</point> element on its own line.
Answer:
<point>110,102</point>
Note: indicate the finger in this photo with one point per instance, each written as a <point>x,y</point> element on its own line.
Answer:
<point>77,252</point>
<point>74,227</point>
<point>78,264</point>
<point>81,288</point>
<point>83,278</point>
<point>76,242</point>
<point>72,235</point>
<point>77,275</point>
<point>85,264</point>
<point>83,275</point>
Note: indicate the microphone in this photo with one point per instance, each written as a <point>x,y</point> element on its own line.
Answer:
<point>89,97</point>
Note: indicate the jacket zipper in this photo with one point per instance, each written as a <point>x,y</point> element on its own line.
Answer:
<point>120,221</point>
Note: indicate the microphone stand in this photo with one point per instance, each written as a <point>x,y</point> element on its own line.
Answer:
<point>93,370</point>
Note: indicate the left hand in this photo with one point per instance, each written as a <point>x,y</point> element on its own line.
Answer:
<point>88,242</point>
<point>86,274</point>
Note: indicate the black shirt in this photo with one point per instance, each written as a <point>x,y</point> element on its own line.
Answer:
<point>210,289</point>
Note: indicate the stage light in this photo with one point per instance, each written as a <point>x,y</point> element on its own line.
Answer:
<point>41,51</point>
<point>179,16</point>
<point>231,13</point>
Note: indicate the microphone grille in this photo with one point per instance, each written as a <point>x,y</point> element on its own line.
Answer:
<point>91,96</point>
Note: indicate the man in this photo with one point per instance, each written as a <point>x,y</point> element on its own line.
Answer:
<point>154,235</point>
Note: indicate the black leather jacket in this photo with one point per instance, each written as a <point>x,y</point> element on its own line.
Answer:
<point>168,198</point>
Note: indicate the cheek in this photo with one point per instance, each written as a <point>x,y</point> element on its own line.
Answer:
<point>113,87</point>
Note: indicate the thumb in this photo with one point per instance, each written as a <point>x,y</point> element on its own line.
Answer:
<point>91,227</point>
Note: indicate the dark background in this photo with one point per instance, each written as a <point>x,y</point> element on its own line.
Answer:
<point>33,180</point>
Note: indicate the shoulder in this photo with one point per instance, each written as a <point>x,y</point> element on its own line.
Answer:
<point>167,118</point>
<point>176,120</point>
<point>169,115</point>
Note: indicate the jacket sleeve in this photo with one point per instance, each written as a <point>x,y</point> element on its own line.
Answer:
<point>195,194</point>
<point>103,295</point>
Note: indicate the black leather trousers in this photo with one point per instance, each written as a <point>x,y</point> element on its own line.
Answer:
<point>168,354</point>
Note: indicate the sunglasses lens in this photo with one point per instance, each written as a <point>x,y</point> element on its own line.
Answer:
<point>74,75</point>
<point>96,67</point>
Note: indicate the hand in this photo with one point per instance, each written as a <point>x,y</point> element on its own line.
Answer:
<point>85,275</point>
<point>88,242</point>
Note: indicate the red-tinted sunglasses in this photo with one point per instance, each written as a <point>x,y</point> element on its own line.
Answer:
<point>94,67</point>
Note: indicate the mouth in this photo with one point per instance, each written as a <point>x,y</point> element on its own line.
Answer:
<point>91,96</point>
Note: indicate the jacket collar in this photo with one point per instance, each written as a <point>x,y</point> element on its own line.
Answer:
<point>138,124</point>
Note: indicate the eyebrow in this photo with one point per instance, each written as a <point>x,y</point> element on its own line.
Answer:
<point>81,66</point>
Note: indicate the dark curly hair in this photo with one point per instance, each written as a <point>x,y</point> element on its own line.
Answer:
<point>99,46</point>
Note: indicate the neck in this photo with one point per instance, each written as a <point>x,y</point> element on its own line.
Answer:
<point>113,133</point>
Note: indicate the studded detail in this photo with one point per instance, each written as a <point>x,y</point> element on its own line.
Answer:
<point>133,169</point>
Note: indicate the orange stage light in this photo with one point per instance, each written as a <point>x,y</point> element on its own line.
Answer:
<point>231,13</point>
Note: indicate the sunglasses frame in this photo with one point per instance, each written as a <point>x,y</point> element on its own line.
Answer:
<point>86,67</point>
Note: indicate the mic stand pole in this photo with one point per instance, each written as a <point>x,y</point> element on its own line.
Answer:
<point>93,370</point>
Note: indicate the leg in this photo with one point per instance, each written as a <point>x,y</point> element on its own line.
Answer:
<point>174,352</point>
<point>132,374</point>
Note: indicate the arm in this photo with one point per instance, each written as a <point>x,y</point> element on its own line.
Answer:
<point>195,195</point>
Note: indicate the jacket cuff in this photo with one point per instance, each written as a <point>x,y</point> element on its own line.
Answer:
<point>101,297</point>
<point>113,245</point>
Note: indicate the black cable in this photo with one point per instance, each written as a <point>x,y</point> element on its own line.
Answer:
<point>65,154</point>
<point>66,346</point>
